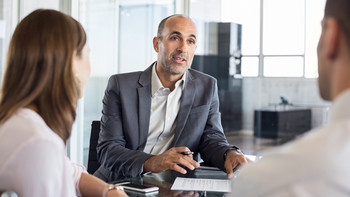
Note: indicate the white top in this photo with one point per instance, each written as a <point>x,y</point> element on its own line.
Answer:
<point>164,109</point>
<point>33,161</point>
<point>316,164</point>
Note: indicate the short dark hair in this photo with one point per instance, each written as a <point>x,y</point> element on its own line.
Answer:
<point>162,23</point>
<point>339,9</point>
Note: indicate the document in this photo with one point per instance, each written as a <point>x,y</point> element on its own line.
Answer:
<point>193,184</point>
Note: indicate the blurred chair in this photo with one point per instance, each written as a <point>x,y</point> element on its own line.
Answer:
<point>93,163</point>
<point>8,194</point>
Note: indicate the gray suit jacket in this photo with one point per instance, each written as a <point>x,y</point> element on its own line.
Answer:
<point>125,123</point>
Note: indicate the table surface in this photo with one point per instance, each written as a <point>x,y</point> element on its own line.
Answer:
<point>165,185</point>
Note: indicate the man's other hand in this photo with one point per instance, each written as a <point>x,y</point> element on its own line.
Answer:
<point>234,158</point>
<point>171,160</point>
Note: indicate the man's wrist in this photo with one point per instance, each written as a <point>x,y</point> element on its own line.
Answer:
<point>234,148</point>
<point>147,165</point>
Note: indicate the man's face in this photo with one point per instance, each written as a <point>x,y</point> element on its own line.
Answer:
<point>324,67</point>
<point>176,46</point>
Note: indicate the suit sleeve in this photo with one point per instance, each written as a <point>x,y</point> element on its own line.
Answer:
<point>113,152</point>
<point>213,141</point>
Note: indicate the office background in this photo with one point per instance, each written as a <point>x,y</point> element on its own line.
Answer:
<point>278,49</point>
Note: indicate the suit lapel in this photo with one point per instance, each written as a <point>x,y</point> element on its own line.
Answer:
<point>187,99</point>
<point>144,102</point>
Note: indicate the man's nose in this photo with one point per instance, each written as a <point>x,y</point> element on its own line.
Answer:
<point>183,47</point>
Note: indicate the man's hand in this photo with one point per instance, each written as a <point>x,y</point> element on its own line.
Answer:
<point>170,160</point>
<point>234,158</point>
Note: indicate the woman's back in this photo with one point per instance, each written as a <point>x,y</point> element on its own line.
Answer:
<point>47,68</point>
<point>32,158</point>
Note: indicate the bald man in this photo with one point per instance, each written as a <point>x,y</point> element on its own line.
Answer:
<point>161,119</point>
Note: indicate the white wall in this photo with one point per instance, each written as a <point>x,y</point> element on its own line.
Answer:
<point>263,92</point>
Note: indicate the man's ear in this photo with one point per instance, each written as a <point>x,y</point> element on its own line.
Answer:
<point>156,44</point>
<point>332,38</point>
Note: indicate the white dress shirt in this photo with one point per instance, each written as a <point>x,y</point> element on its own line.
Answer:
<point>317,164</point>
<point>33,161</point>
<point>164,109</point>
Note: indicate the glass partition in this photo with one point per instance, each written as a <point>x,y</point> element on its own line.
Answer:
<point>120,38</point>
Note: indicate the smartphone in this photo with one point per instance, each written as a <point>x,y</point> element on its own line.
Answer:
<point>138,187</point>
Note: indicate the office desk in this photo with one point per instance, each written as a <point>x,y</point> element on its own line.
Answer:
<point>165,185</point>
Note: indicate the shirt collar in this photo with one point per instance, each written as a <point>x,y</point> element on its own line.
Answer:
<point>157,84</point>
<point>340,107</point>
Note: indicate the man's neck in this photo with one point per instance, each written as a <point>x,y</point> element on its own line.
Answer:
<point>341,80</point>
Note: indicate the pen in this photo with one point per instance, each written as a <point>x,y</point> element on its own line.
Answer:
<point>187,153</point>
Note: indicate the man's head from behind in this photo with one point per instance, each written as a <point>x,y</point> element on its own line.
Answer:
<point>334,49</point>
<point>175,44</point>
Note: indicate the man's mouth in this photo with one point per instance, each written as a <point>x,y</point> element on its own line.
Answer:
<point>179,59</point>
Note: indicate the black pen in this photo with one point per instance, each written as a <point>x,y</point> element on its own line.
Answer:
<point>187,153</point>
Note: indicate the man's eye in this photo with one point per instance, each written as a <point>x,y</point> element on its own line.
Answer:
<point>174,38</point>
<point>191,42</point>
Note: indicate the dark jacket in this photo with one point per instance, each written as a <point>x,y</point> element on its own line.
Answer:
<point>126,115</point>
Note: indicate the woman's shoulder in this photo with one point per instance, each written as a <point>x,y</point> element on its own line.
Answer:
<point>26,132</point>
<point>29,124</point>
<point>32,151</point>
<point>37,163</point>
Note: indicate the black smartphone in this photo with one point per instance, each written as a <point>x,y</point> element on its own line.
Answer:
<point>138,187</point>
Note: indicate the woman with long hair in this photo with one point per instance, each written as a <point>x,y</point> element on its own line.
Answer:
<point>46,70</point>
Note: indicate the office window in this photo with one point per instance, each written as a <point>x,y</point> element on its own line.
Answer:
<point>135,41</point>
<point>251,66</point>
<point>314,14</point>
<point>246,13</point>
<point>282,35</point>
<point>283,27</point>
<point>9,17</point>
<point>283,66</point>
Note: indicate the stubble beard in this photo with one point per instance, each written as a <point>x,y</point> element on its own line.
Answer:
<point>171,66</point>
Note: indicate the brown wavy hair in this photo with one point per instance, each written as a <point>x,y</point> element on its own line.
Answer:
<point>39,69</point>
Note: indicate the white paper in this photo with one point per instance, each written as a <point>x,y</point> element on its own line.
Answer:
<point>193,184</point>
